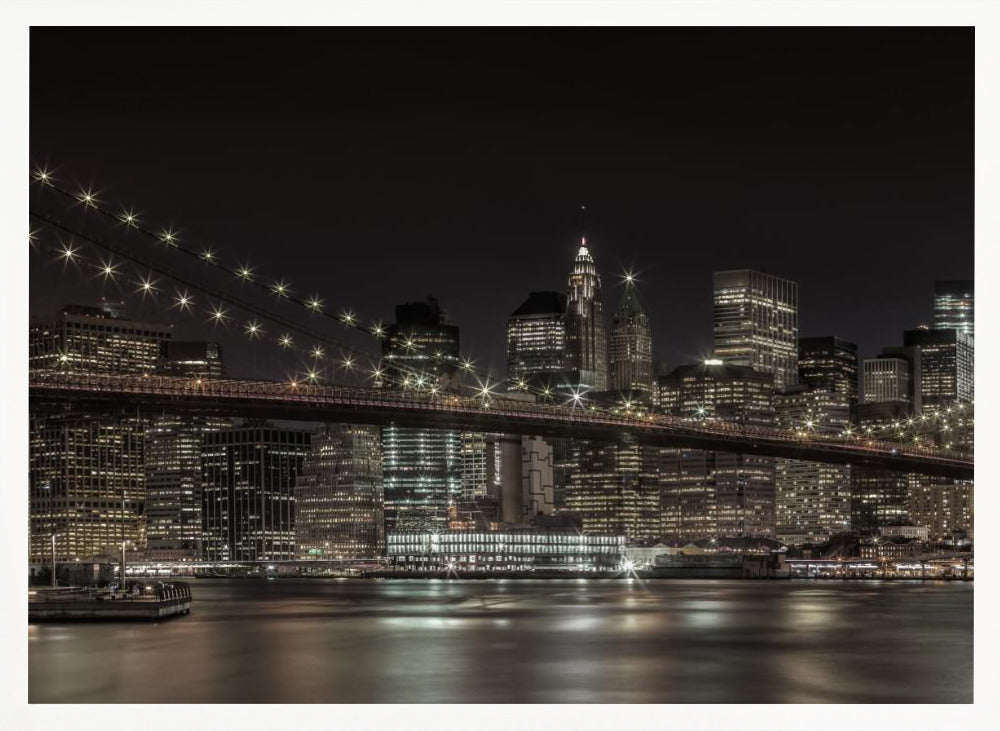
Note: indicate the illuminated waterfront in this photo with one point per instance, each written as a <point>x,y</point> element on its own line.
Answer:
<point>342,641</point>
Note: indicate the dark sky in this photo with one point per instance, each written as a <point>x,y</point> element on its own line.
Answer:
<point>380,166</point>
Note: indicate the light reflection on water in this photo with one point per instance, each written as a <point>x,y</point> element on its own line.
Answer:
<point>524,641</point>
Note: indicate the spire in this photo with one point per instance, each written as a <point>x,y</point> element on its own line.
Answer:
<point>630,305</point>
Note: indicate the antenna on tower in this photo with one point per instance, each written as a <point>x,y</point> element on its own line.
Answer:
<point>583,223</point>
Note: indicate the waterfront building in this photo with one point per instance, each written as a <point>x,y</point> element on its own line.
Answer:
<point>812,499</point>
<point>955,305</point>
<point>508,550</point>
<point>586,343</point>
<point>422,468</point>
<point>829,364</point>
<point>946,365</point>
<point>248,490</point>
<point>86,470</point>
<point>537,477</point>
<point>536,339</point>
<point>631,346</point>
<point>339,503</point>
<point>173,510</point>
<point>709,494</point>
<point>479,465</point>
<point>756,323</point>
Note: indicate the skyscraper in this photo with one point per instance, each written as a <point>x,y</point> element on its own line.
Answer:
<point>946,365</point>
<point>422,468</point>
<point>813,499</point>
<point>631,346</point>
<point>709,494</point>
<point>248,491</point>
<point>616,489</point>
<point>536,338</point>
<point>86,470</point>
<point>339,503</point>
<point>886,380</point>
<point>586,344</point>
<point>829,364</point>
<point>756,319</point>
<point>955,305</point>
<point>173,459</point>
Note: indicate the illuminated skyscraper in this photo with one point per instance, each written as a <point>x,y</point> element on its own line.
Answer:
<point>86,471</point>
<point>615,489</point>
<point>248,491</point>
<point>631,346</point>
<point>887,380</point>
<point>422,468</point>
<point>955,305</point>
<point>757,323</point>
<point>829,364</point>
<point>339,505</point>
<point>711,494</point>
<point>813,499</point>
<point>536,338</point>
<point>586,344</point>
<point>173,459</point>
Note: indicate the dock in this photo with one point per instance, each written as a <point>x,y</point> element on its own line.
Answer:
<point>138,602</point>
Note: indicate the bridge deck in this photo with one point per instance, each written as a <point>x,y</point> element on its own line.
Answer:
<point>281,400</point>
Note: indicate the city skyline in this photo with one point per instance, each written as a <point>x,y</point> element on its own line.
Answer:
<point>676,214</point>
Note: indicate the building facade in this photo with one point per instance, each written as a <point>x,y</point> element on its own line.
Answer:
<point>631,346</point>
<point>955,305</point>
<point>421,468</point>
<point>586,341</point>
<point>829,364</point>
<point>87,482</point>
<point>886,380</point>
<point>946,365</point>
<point>714,494</point>
<point>536,339</point>
<point>248,491</point>
<point>812,499</point>
<point>756,323</point>
<point>339,503</point>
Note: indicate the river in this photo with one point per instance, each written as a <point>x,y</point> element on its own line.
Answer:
<point>572,641</point>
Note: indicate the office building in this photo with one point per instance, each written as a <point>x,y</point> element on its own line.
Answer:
<point>173,510</point>
<point>946,365</point>
<point>615,489</point>
<point>421,468</point>
<point>944,507</point>
<point>829,364</point>
<point>339,503</point>
<point>536,339</point>
<point>756,323</point>
<point>886,379</point>
<point>955,305</point>
<point>586,343</point>
<point>86,471</point>
<point>812,499</point>
<point>709,494</point>
<point>248,491</point>
<point>631,346</point>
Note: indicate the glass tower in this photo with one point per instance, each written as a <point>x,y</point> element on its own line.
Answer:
<point>955,305</point>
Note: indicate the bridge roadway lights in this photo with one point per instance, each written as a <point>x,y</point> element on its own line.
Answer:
<point>268,399</point>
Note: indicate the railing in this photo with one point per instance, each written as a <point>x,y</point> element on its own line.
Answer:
<point>135,592</point>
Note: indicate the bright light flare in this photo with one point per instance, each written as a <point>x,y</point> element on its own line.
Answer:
<point>285,341</point>
<point>129,218</point>
<point>313,375</point>
<point>318,352</point>
<point>87,197</point>
<point>245,272</point>
<point>169,237</point>
<point>69,254</point>
<point>183,301</point>
<point>253,329</point>
<point>43,176</point>
<point>208,255</point>
<point>108,270</point>
<point>348,317</point>
<point>219,316</point>
<point>146,286</point>
<point>315,304</point>
<point>280,288</point>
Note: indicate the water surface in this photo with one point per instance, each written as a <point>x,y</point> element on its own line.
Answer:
<point>572,641</point>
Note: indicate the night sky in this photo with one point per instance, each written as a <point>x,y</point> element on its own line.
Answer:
<point>380,166</point>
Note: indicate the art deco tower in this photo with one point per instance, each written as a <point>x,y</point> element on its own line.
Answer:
<point>631,345</point>
<point>586,344</point>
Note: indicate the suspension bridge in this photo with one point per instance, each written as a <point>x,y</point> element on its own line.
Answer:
<point>413,397</point>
